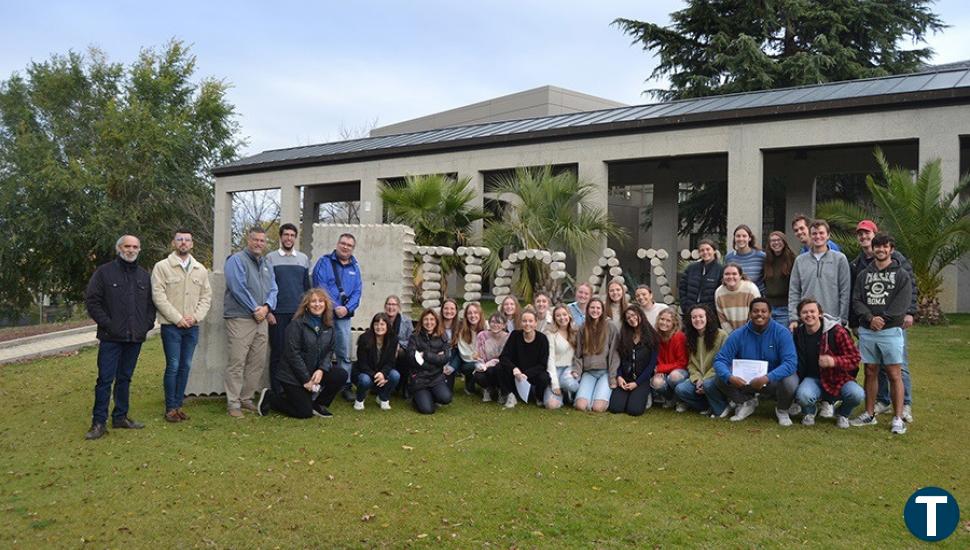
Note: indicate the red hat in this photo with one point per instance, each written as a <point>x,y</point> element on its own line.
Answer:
<point>868,225</point>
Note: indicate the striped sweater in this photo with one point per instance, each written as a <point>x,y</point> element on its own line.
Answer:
<point>732,306</point>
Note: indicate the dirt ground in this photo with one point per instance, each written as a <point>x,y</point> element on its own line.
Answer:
<point>12,333</point>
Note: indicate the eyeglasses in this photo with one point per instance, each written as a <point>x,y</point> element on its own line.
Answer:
<point>183,239</point>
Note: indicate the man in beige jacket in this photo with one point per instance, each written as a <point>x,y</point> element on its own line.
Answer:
<point>182,295</point>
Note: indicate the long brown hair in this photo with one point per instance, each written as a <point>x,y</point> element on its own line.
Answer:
<point>467,332</point>
<point>646,332</point>
<point>439,328</point>
<point>594,331</point>
<point>711,327</point>
<point>778,264</point>
<point>303,308</point>
<point>517,316</point>
<point>624,303</point>
<point>570,328</point>
<point>752,243</point>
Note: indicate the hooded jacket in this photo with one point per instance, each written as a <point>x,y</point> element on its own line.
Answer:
<point>885,293</point>
<point>861,262</point>
<point>836,341</point>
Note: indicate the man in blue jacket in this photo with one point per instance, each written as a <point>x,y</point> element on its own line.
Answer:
<point>250,298</point>
<point>339,274</point>
<point>760,339</point>
<point>119,299</point>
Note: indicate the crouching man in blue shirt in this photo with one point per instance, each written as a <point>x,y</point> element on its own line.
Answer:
<point>760,339</point>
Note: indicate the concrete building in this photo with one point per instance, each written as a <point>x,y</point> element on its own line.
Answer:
<point>768,143</point>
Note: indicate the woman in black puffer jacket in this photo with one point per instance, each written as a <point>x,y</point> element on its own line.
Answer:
<point>700,279</point>
<point>306,370</point>
<point>428,353</point>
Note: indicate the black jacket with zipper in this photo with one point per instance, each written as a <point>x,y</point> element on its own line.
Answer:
<point>307,348</point>
<point>119,299</point>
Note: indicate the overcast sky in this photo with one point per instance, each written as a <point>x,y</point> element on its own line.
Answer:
<point>302,71</point>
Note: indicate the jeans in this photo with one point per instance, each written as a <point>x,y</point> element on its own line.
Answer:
<point>810,391</point>
<point>634,402</point>
<point>365,383</point>
<point>594,385</point>
<point>566,384</point>
<point>426,400</point>
<point>341,348</point>
<point>664,384</point>
<point>179,346</point>
<point>277,341</point>
<point>297,402</point>
<point>783,391</point>
<point>116,365</point>
<point>464,368</point>
<point>780,314</point>
<point>710,399</point>
<point>882,395</point>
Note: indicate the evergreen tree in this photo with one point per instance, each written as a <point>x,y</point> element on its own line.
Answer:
<point>725,46</point>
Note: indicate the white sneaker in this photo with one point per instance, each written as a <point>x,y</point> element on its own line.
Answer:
<point>882,408</point>
<point>864,419</point>
<point>808,420</point>
<point>649,401</point>
<point>826,409</point>
<point>706,412</point>
<point>746,409</point>
<point>681,407</point>
<point>908,413</point>
<point>358,405</point>
<point>783,418</point>
<point>385,405</point>
<point>842,422</point>
<point>899,427</point>
<point>511,401</point>
<point>486,395</point>
<point>727,410</point>
<point>794,409</point>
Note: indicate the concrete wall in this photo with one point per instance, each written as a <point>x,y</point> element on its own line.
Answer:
<point>538,102</point>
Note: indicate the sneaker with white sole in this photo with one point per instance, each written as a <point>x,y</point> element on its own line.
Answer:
<point>746,409</point>
<point>794,409</point>
<point>826,409</point>
<point>262,405</point>
<point>385,405</point>
<point>511,401</point>
<point>728,410</point>
<point>899,426</point>
<point>681,407</point>
<point>706,412</point>
<point>358,405</point>
<point>783,418</point>
<point>808,420</point>
<point>486,395</point>
<point>882,408</point>
<point>841,422</point>
<point>907,413</point>
<point>864,419</point>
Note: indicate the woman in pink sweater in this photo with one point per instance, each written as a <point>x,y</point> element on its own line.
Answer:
<point>671,358</point>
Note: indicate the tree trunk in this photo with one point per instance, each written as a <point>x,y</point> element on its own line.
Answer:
<point>929,312</point>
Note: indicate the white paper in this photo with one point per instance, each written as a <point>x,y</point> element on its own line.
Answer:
<point>419,357</point>
<point>748,369</point>
<point>522,387</point>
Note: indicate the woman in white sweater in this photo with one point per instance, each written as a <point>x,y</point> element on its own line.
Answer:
<point>562,342</point>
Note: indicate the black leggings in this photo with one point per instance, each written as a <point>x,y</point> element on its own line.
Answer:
<point>630,402</point>
<point>296,401</point>
<point>426,400</point>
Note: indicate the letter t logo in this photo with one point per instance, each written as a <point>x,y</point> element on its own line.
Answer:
<point>931,502</point>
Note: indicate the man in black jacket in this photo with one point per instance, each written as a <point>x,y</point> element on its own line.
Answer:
<point>119,299</point>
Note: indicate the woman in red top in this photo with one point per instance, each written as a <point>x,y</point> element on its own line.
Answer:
<point>671,358</point>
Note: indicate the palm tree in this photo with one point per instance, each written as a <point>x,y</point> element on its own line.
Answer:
<point>931,228</point>
<point>438,208</point>
<point>542,210</point>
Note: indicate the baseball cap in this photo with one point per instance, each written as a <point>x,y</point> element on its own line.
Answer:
<point>868,225</point>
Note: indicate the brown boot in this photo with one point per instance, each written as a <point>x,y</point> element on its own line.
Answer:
<point>182,414</point>
<point>172,415</point>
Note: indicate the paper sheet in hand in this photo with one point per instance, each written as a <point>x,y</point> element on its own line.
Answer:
<point>748,370</point>
<point>419,357</point>
<point>522,387</point>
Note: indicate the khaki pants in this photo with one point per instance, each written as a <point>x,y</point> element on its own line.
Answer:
<point>248,341</point>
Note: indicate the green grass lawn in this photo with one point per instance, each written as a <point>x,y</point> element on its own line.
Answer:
<point>472,475</point>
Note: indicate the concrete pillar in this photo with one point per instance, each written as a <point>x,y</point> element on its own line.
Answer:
<point>311,197</point>
<point>371,206</point>
<point>290,204</point>
<point>946,147</point>
<point>665,218</point>
<point>222,228</point>
<point>745,182</point>
<point>597,173</point>
<point>799,199</point>
<point>477,184</point>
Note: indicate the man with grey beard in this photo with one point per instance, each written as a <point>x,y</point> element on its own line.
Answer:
<point>119,299</point>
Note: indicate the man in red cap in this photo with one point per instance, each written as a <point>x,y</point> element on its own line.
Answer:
<point>865,230</point>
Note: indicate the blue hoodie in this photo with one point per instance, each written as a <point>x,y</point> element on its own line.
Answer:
<point>775,345</point>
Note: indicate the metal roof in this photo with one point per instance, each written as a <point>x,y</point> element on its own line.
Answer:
<point>948,84</point>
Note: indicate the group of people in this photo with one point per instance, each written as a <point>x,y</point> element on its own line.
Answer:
<point>788,313</point>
